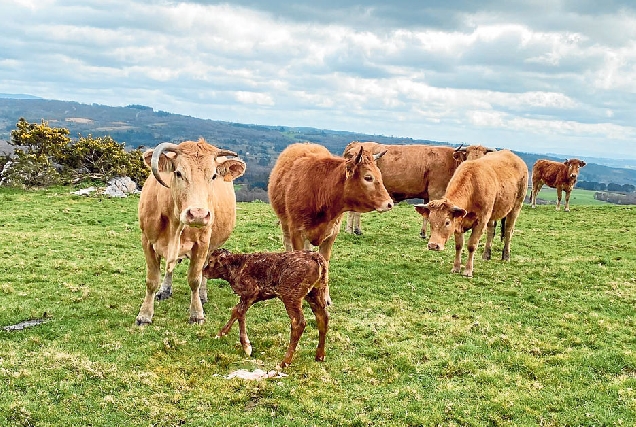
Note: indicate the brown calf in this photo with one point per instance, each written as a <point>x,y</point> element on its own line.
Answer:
<point>561,176</point>
<point>290,276</point>
<point>481,192</point>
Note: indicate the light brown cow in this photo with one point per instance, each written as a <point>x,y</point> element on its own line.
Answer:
<point>481,192</point>
<point>561,176</point>
<point>186,208</point>
<point>310,189</point>
<point>415,171</point>
<point>291,276</point>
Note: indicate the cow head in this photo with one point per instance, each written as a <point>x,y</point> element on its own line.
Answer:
<point>445,218</point>
<point>194,170</point>
<point>471,152</point>
<point>363,188</point>
<point>573,166</point>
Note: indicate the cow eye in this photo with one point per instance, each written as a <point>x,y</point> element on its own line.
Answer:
<point>368,178</point>
<point>214,176</point>
<point>448,222</point>
<point>178,174</point>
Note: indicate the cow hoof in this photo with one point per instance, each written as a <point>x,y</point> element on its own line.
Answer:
<point>357,232</point>
<point>163,295</point>
<point>140,321</point>
<point>197,321</point>
<point>468,274</point>
<point>422,235</point>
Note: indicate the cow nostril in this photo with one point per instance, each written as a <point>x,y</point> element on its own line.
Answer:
<point>390,205</point>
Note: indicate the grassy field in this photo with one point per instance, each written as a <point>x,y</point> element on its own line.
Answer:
<point>577,197</point>
<point>546,339</point>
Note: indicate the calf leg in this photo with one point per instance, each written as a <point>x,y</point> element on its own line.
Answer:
<point>295,312</point>
<point>490,235</point>
<point>153,277</point>
<point>316,300</point>
<point>238,312</point>
<point>195,277</point>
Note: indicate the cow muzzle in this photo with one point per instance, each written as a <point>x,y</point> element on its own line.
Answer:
<point>196,217</point>
<point>385,206</point>
<point>432,246</point>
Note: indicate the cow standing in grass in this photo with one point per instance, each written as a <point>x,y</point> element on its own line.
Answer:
<point>310,188</point>
<point>561,176</point>
<point>479,193</point>
<point>290,276</point>
<point>414,171</point>
<point>186,208</point>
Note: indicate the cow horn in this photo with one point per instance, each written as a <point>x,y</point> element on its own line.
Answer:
<point>222,153</point>
<point>377,156</point>
<point>490,150</point>
<point>460,147</point>
<point>156,154</point>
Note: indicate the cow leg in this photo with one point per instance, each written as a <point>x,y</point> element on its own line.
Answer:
<point>558,206</point>
<point>424,227</point>
<point>298,323</point>
<point>473,242</point>
<point>203,290</point>
<point>317,302</point>
<point>567,201</point>
<point>349,225</point>
<point>459,245</point>
<point>153,277</point>
<point>165,291</point>
<point>357,227</point>
<point>490,235</point>
<point>195,276</point>
<point>536,187</point>
<point>325,250</point>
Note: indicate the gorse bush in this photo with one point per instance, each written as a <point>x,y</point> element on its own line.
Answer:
<point>45,156</point>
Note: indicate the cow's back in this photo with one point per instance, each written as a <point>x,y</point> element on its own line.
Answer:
<point>288,172</point>
<point>547,171</point>
<point>497,181</point>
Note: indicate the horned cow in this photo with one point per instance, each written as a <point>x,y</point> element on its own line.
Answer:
<point>561,176</point>
<point>290,276</point>
<point>414,171</point>
<point>187,206</point>
<point>479,193</point>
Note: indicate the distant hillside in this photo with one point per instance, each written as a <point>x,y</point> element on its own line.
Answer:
<point>138,125</point>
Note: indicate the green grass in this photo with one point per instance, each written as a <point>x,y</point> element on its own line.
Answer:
<point>546,339</point>
<point>577,197</point>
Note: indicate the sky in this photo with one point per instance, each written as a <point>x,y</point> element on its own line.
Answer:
<point>543,76</point>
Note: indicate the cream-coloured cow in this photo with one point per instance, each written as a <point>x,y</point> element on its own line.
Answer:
<point>187,207</point>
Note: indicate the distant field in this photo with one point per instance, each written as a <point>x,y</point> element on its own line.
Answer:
<point>577,197</point>
<point>546,339</point>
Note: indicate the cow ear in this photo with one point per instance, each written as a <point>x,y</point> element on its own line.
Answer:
<point>231,169</point>
<point>165,161</point>
<point>581,163</point>
<point>460,156</point>
<point>422,209</point>
<point>566,162</point>
<point>456,211</point>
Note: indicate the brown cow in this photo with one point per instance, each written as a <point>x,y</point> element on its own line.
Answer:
<point>310,189</point>
<point>186,208</point>
<point>481,192</point>
<point>290,276</point>
<point>561,176</point>
<point>413,171</point>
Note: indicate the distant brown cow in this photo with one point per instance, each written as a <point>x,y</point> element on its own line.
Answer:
<point>290,276</point>
<point>310,189</point>
<point>561,176</point>
<point>481,192</point>
<point>415,171</point>
<point>187,207</point>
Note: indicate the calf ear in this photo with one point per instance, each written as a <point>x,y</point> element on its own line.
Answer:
<point>581,163</point>
<point>231,169</point>
<point>422,209</point>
